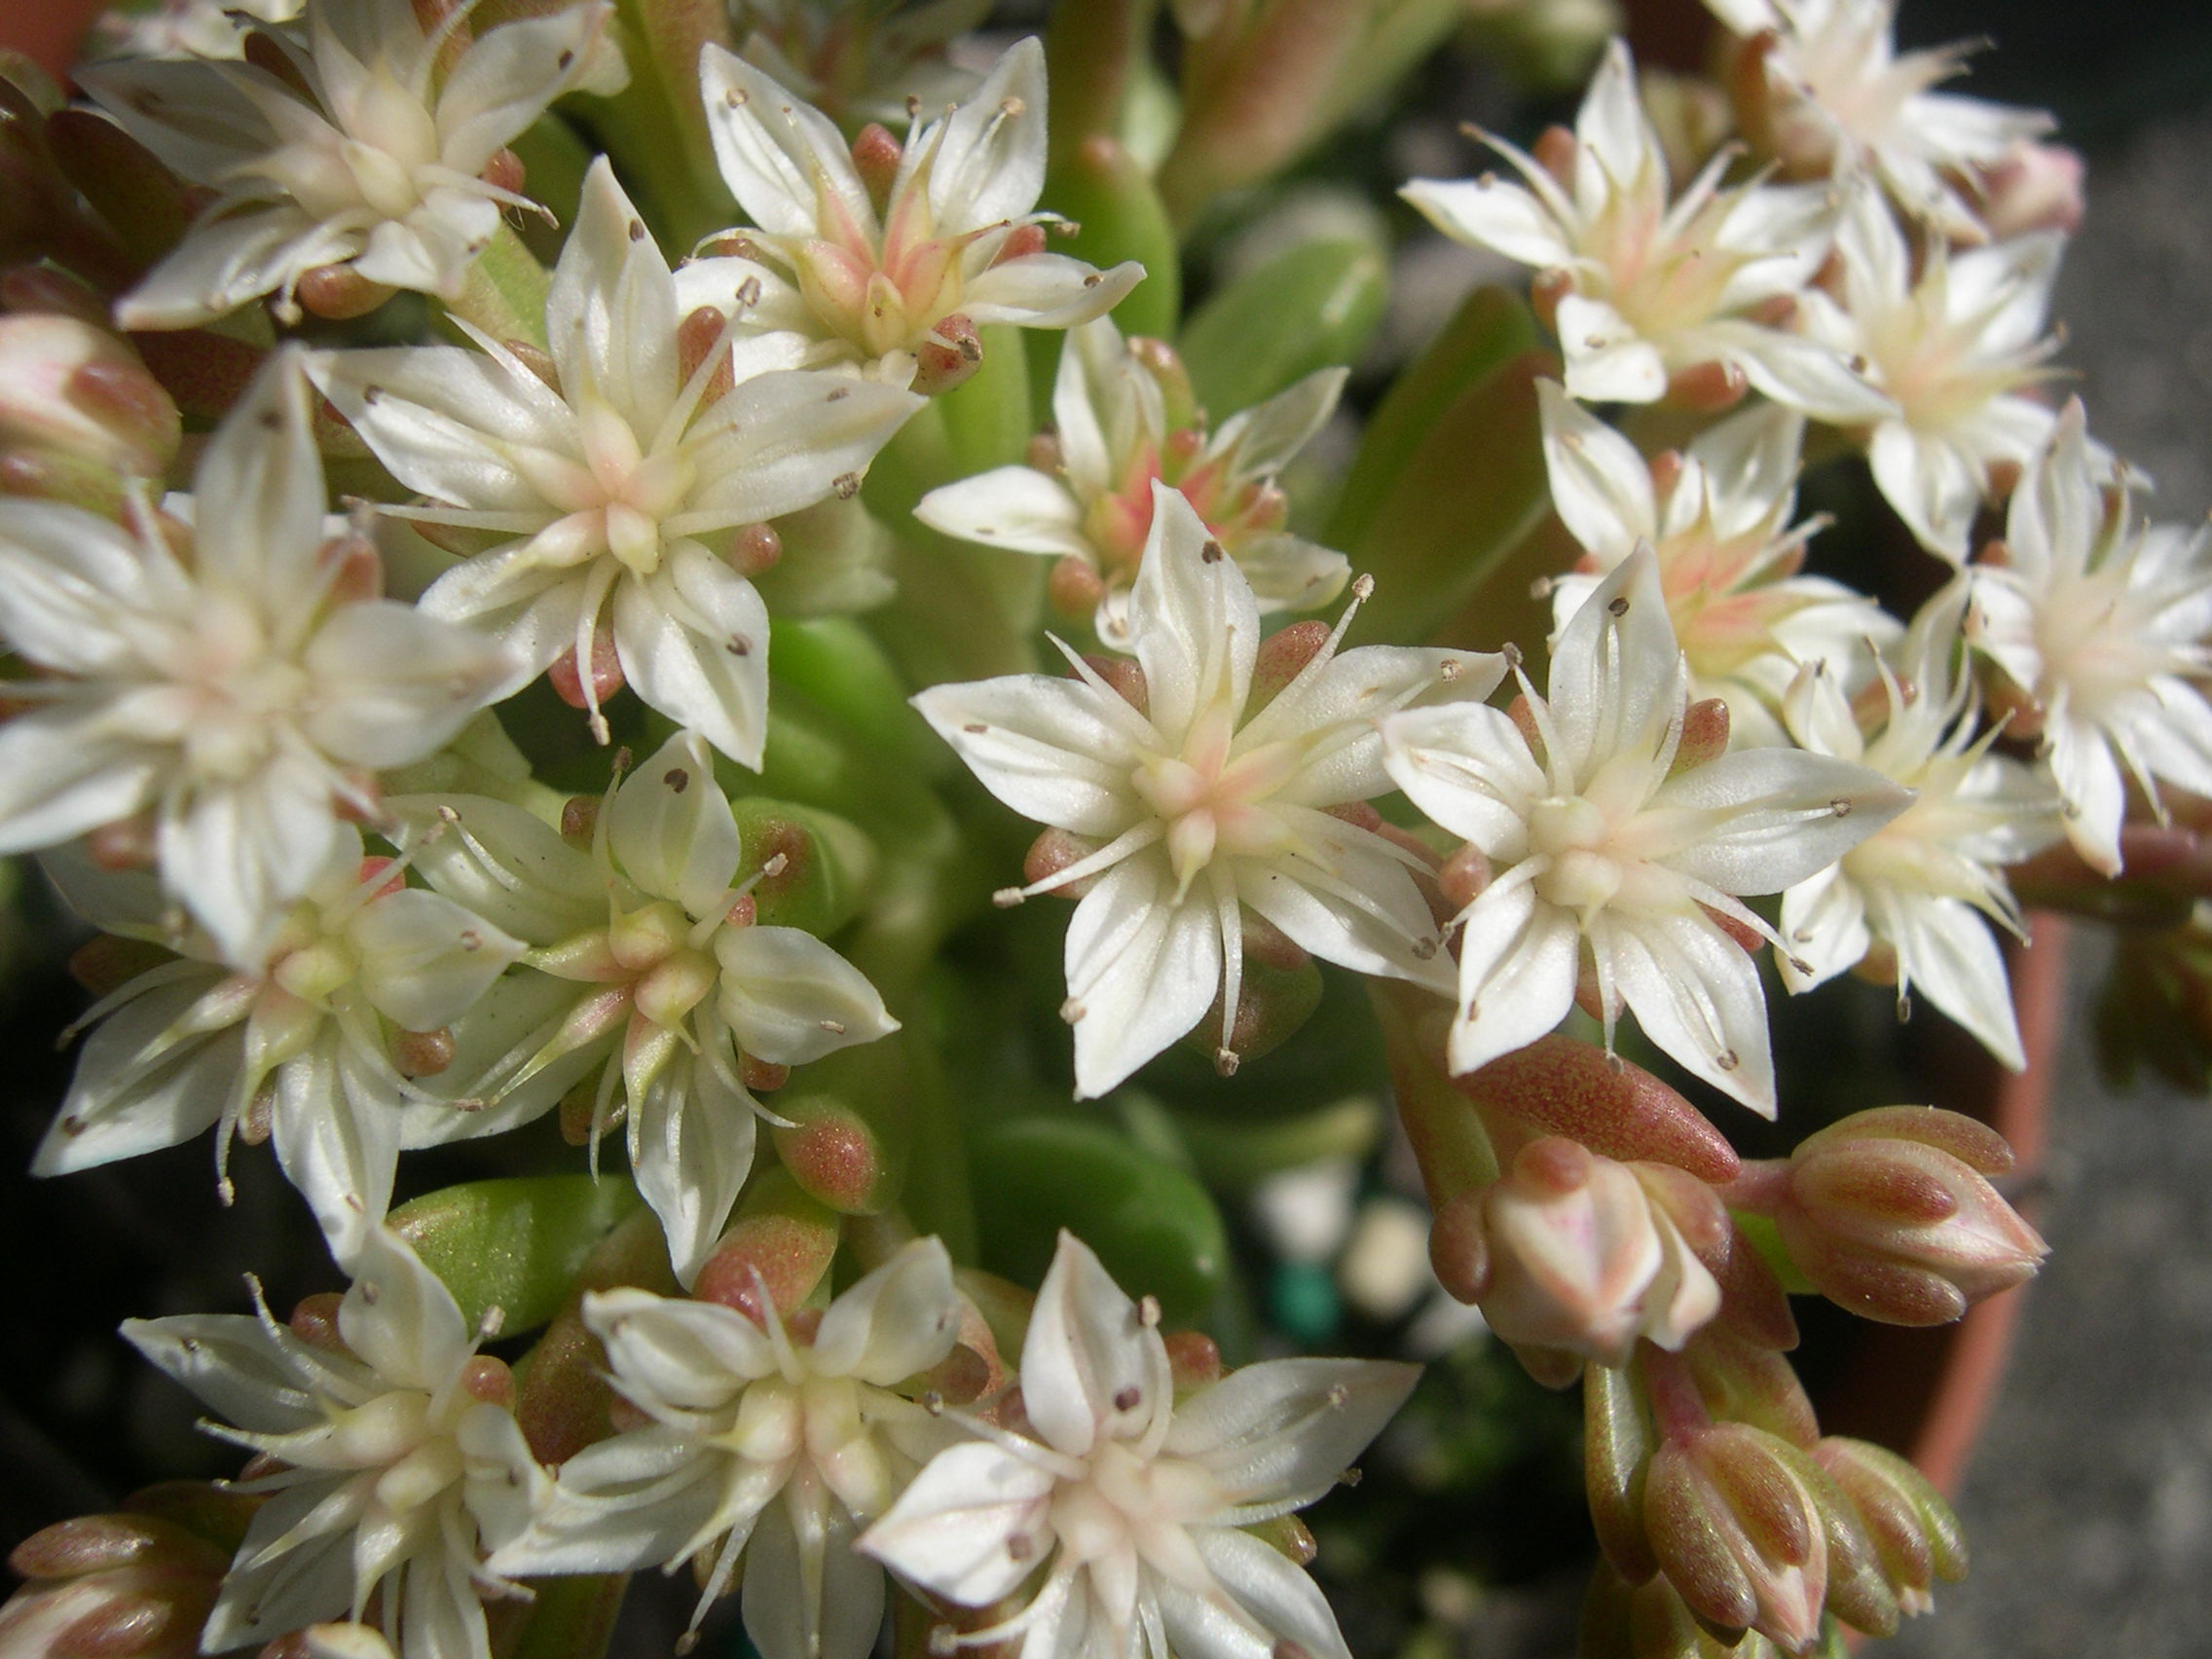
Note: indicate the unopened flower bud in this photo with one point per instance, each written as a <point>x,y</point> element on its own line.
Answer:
<point>338,293</point>
<point>1282,656</point>
<point>1739,1534</point>
<point>2036,187</point>
<point>126,1586</point>
<point>1707,388</point>
<point>1074,589</point>
<point>779,1246</point>
<point>1583,1258</point>
<point>1705,734</point>
<point>1915,1536</point>
<point>606,676</point>
<point>834,1154</point>
<point>69,389</point>
<point>1890,1214</point>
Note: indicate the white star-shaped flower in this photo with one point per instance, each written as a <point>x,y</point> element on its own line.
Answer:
<point>390,1472</point>
<point>622,488</point>
<point>300,1051</point>
<point>242,693</point>
<point>775,1446</point>
<point>2102,622</point>
<point>1921,886</point>
<point>1601,849</point>
<point>1199,804</point>
<point>1128,1507</point>
<point>1834,94</point>
<point>1649,284</point>
<point>650,973</point>
<point>1717,519</point>
<point>1954,347</point>
<point>1120,424</point>
<point>866,279</point>
<point>370,154</point>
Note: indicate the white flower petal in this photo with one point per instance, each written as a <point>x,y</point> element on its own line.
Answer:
<point>1057,750</point>
<point>633,1500</point>
<point>668,1353</point>
<point>395,684</point>
<point>336,1135</point>
<point>1142,970</point>
<point>128,1096</point>
<point>693,643</point>
<point>790,999</point>
<point>1192,616</point>
<point>898,1319</point>
<point>611,313</point>
<point>949,1529</point>
<point>778,154</point>
<point>63,773</point>
<point>1517,973</point>
<point>989,163</point>
<point>424,959</point>
<point>1600,486</point>
<point>692,1136</point>
<point>400,1318</point>
<point>237,855</point>
<point>1491,213</point>
<point>1008,506</point>
<point>1696,993</point>
<point>1090,1366</point>
<point>259,498</point>
<point>670,829</point>
<point>1282,1431</point>
<point>1760,819</point>
<point>807,1593</point>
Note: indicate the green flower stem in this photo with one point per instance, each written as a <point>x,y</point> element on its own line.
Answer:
<point>1449,1141</point>
<point>1092,49</point>
<point>504,291</point>
<point>656,128</point>
<point>1117,215</point>
<point>939,1194</point>
<point>570,1617</point>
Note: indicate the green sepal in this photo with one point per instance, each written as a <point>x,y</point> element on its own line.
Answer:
<point>1153,1225</point>
<point>516,1243</point>
<point>1309,307</point>
<point>1110,198</point>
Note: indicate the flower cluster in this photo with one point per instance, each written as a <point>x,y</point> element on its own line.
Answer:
<point>381,857</point>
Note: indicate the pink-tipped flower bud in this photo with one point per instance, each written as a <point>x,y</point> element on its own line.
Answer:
<point>72,390</point>
<point>1889,1213</point>
<point>137,1585</point>
<point>835,1155</point>
<point>2036,187</point>
<point>1739,1533</point>
<point>1585,1256</point>
<point>1915,1537</point>
<point>1650,1620</point>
